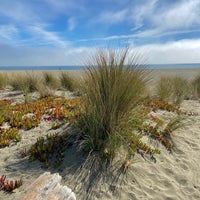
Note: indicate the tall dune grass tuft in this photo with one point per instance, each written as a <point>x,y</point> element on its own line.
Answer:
<point>164,88</point>
<point>180,90</point>
<point>196,86</point>
<point>67,82</point>
<point>3,80</point>
<point>173,89</point>
<point>24,82</point>
<point>44,90</point>
<point>114,86</point>
<point>50,80</point>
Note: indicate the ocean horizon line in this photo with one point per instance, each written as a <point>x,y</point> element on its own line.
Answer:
<point>81,67</point>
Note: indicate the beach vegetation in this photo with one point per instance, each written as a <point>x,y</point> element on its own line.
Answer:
<point>3,80</point>
<point>156,104</point>
<point>28,116</point>
<point>6,136</point>
<point>47,85</point>
<point>9,186</point>
<point>67,81</point>
<point>174,124</point>
<point>44,90</point>
<point>173,89</point>
<point>43,149</point>
<point>25,82</point>
<point>164,88</point>
<point>196,86</point>
<point>180,90</point>
<point>113,88</point>
<point>50,80</point>
<point>17,82</point>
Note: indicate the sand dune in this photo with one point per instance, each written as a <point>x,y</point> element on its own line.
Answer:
<point>174,176</point>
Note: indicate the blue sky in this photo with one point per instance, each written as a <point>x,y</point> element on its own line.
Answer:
<point>65,32</point>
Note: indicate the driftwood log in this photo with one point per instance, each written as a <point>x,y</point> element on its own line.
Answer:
<point>47,187</point>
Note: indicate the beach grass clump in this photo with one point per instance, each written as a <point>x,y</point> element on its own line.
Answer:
<point>113,88</point>
<point>17,82</point>
<point>50,80</point>
<point>67,81</point>
<point>45,91</point>
<point>196,86</point>
<point>173,89</point>
<point>3,80</point>
<point>180,89</point>
<point>24,82</point>
<point>32,80</point>
<point>164,88</point>
<point>47,85</point>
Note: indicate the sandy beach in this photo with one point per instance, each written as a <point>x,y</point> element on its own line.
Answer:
<point>175,176</point>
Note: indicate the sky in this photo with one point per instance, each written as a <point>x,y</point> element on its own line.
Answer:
<point>65,32</point>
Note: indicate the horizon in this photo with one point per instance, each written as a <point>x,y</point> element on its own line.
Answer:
<point>64,33</point>
<point>83,67</point>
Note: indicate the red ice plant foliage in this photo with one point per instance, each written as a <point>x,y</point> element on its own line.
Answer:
<point>9,186</point>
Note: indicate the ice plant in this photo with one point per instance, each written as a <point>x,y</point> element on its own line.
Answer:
<point>9,186</point>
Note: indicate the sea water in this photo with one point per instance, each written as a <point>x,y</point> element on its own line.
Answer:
<point>151,66</point>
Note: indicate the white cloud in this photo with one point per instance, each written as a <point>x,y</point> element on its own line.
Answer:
<point>183,51</point>
<point>42,56</point>
<point>182,16</point>
<point>71,24</point>
<point>138,14</point>
<point>8,33</point>
<point>150,19</point>
<point>66,7</point>
<point>20,11</point>
<point>108,17</point>
<point>44,37</point>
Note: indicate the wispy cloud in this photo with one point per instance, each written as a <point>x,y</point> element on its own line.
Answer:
<point>68,8</point>
<point>142,13</point>
<point>184,14</point>
<point>44,37</point>
<point>180,16</point>
<point>66,28</point>
<point>109,17</point>
<point>154,19</point>
<point>43,56</point>
<point>8,33</point>
<point>71,24</point>
<point>153,33</point>
<point>182,51</point>
<point>20,11</point>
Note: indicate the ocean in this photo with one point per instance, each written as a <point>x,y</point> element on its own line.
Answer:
<point>151,66</point>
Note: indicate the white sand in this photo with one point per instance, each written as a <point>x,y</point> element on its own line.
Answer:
<point>174,176</point>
